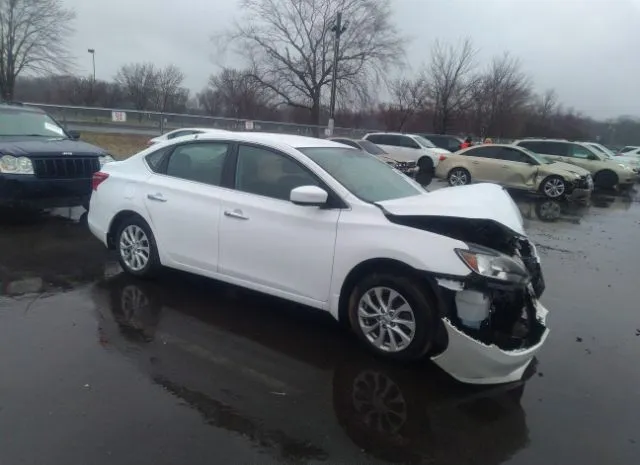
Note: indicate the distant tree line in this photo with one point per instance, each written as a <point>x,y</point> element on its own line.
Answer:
<point>288,64</point>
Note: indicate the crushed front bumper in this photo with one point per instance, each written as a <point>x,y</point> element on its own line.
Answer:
<point>473,362</point>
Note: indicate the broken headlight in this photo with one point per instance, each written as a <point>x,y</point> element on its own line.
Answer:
<point>492,264</point>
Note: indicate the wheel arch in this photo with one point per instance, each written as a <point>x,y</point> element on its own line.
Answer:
<point>369,266</point>
<point>606,172</point>
<point>117,221</point>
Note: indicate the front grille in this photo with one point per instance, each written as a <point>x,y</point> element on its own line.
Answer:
<point>66,168</point>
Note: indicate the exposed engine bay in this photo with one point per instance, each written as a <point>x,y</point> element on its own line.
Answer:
<point>491,312</point>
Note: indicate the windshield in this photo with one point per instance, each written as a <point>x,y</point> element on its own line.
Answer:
<point>365,176</point>
<point>28,123</point>
<point>603,150</point>
<point>537,157</point>
<point>370,147</point>
<point>425,142</point>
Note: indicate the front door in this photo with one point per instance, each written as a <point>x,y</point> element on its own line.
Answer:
<point>266,240</point>
<point>515,169</point>
<point>183,201</point>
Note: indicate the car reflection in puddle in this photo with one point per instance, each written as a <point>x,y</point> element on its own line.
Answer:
<point>295,384</point>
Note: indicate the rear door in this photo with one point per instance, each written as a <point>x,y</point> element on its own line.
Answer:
<point>183,201</point>
<point>552,150</point>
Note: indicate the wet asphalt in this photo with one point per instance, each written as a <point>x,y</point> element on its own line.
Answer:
<point>100,368</point>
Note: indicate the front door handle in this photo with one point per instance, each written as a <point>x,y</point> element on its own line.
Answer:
<point>237,214</point>
<point>475,162</point>
<point>505,166</point>
<point>157,197</point>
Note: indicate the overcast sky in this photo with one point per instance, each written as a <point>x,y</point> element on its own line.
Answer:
<point>588,50</point>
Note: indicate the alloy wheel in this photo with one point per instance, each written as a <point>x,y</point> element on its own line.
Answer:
<point>386,319</point>
<point>554,188</point>
<point>135,247</point>
<point>458,178</point>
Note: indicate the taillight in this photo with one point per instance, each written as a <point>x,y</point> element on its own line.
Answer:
<point>97,179</point>
<point>442,157</point>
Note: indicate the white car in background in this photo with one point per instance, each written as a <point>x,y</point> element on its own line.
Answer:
<point>449,274</point>
<point>183,132</point>
<point>412,146</point>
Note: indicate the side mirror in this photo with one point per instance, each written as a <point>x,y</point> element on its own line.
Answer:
<point>310,196</point>
<point>74,135</point>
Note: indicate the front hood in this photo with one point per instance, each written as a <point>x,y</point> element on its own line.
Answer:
<point>478,202</point>
<point>631,161</point>
<point>557,166</point>
<point>398,156</point>
<point>44,147</point>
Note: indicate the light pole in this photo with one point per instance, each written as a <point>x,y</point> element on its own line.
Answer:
<point>338,28</point>
<point>92,51</point>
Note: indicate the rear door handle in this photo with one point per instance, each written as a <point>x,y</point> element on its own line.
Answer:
<point>157,197</point>
<point>237,214</point>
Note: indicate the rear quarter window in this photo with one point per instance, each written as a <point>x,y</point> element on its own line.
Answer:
<point>155,160</point>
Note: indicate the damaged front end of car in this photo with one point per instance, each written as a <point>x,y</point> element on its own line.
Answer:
<point>492,321</point>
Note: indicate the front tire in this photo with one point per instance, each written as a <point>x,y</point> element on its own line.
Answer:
<point>606,179</point>
<point>553,187</point>
<point>137,249</point>
<point>459,177</point>
<point>393,316</point>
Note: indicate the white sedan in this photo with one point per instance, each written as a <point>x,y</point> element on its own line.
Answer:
<point>448,274</point>
<point>183,132</point>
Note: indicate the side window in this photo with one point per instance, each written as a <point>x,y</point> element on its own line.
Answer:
<point>559,149</point>
<point>376,138</point>
<point>483,152</point>
<point>578,151</point>
<point>263,172</point>
<point>508,154</point>
<point>156,159</point>
<point>201,162</point>
<point>408,142</point>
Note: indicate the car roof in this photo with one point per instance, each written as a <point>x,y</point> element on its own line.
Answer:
<point>199,129</point>
<point>391,134</point>
<point>292,141</point>
<point>20,107</point>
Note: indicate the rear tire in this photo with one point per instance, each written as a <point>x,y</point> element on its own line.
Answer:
<point>393,316</point>
<point>459,177</point>
<point>136,247</point>
<point>605,179</point>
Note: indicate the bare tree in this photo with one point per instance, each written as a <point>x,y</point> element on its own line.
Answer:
<point>501,96</point>
<point>451,81</point>
<point>236,93</point>
<point>139,81</point>
<point>168,88</point>
<point>33,37</point>
<point>289,47</point>
<point>408,97</point>
<point>547,104</point>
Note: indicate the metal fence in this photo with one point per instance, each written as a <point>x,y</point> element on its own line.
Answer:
<point>124,121</point>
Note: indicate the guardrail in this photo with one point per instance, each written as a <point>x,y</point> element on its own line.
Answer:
<point>118,120</point>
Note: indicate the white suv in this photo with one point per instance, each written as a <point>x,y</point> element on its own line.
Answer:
<point>412,146</point>
<point>448,274</point>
